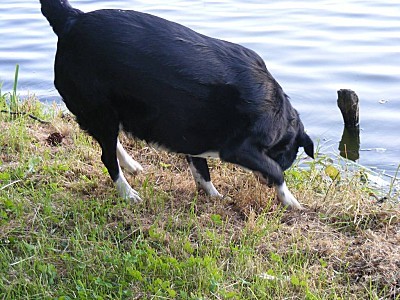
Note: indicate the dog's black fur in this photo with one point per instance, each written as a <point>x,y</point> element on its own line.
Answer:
<point>171,86</point>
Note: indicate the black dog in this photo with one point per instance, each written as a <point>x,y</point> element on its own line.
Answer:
<point>172,87</point>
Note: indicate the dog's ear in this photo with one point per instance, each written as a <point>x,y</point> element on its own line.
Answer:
<point>308,145</point>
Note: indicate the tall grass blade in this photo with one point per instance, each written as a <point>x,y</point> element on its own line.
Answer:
<point>2,98</point>
<point>393,182</point>
<point>14,97</point>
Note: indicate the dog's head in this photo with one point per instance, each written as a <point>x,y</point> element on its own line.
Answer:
<point>291,139</point>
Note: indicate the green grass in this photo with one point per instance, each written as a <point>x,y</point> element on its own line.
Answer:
<point>10,100</point>
<point>64,233</point>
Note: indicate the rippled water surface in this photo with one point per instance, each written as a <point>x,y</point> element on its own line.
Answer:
<point>313,48</point>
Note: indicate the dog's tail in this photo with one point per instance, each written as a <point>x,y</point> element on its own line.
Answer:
<point>60,14</point>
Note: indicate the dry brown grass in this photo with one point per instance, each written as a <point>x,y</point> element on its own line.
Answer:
<point>343,226</point>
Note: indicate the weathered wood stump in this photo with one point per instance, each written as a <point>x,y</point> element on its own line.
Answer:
<point>349,145</point>
<point>348,104</point>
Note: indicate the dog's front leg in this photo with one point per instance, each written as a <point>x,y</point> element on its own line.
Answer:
<point>249,156</point>
<point>201,174</point>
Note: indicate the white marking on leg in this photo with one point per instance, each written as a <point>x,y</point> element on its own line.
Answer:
<point>208,154</point>
<point>124,189</point>
<point>286,197</point>
<point>210,189</point>
<point>207,186</point>
<point>126,161</point>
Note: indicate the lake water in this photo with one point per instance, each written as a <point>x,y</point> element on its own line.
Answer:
<point>313,48</point>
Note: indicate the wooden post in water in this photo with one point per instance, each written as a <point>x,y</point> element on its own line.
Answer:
<point>348,104</point>
<point>349,145</point>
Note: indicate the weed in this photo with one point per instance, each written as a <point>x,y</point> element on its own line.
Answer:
<point>10,101</point>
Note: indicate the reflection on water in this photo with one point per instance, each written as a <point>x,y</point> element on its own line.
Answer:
<point>349,145</point>
<point>313,48</point>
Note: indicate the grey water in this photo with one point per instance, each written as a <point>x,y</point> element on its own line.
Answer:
<point>313,48</point>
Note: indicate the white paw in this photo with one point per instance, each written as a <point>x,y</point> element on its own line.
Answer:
<point>210,190</point>
<point>125,191</point>
<point>127,162</point>
<point>131,165</point>
<point>201,184</point>
<point>286,197</point>
<point>131,195</point>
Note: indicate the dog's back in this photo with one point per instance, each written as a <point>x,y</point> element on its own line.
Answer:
<point>159,75</point>
<point>166,84</point>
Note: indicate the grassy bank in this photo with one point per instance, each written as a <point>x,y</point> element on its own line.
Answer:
<point>64,233</point>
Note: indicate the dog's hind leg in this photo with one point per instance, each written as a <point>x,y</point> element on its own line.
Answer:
<point>250,156</point>
<point>126,161</point>
<point>201,174</point>
<point>109,158</point>
<point>105,131</point>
